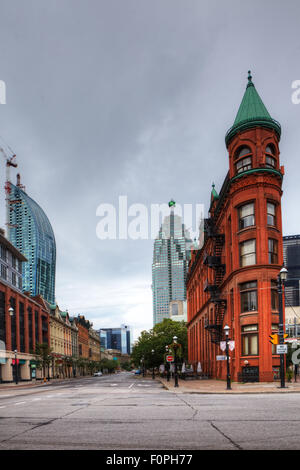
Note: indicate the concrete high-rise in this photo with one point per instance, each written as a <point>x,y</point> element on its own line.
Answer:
<point>171,255</point>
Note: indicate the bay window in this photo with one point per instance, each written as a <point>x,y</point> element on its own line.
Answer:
<point>250,340</point>
<point>248,253</point>
<point>273,251</point>
<point>246,215</point>
<point>248,291</point>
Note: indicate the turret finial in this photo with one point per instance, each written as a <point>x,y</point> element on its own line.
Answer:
<point>250,83</point>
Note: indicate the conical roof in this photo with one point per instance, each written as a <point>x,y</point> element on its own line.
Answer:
<point>214,194</point>
<point>252,113</point>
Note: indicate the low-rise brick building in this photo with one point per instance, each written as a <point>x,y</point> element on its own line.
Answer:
<point>24,321</point>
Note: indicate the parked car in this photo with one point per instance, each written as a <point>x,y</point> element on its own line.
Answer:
<point>98,374</point>
<point>137,372</point>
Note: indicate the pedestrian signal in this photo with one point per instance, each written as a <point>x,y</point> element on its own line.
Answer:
<point>274,339</point>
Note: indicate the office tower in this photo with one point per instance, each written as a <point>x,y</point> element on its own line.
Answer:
<point>171,255</point>
<point>116,338</point>
<point>291,256</point>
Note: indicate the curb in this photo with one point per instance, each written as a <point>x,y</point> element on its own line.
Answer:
<point>40,383</point>
<point>228,392</point>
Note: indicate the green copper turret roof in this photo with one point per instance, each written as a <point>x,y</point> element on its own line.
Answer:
<point>214,193</point>
<point>252,113</point>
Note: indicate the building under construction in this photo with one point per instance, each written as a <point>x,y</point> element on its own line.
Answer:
<point>30,231</point>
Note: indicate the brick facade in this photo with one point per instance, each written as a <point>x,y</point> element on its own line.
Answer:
<point>232,278</point>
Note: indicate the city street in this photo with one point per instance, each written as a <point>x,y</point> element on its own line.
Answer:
<point>123,411</point>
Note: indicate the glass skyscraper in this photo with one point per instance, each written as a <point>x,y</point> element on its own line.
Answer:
<point>116,338</point>
<point>30,231</point>
<point>291,256</point>
<point>171,255</point>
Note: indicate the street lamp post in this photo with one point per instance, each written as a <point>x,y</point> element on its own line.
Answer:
<point>48,362</point>
<point>226,329</point>
<point>11,313</point>
<point>175,346</point>
<point>16,366</point>
<point>143,362</point>
<point>152,352</point>
<point>167,365</point>
<point>282,276</point>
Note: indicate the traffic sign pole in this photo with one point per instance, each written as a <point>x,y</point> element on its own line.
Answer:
<point>281,333</point>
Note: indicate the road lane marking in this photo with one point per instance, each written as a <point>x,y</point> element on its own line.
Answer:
<point>131,385</point>
<point>20,403</point>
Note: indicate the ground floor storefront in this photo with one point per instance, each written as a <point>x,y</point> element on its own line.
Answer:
<point>20,367</point>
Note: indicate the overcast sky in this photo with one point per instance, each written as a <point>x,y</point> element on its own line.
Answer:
<point>134,97</point>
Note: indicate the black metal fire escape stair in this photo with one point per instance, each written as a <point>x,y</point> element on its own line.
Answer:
<point>214,262</point>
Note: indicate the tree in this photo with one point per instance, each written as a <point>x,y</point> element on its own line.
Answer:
<point>109,365</point>
<point>126,366</point>
<point>43,356</point>
<point>157,339</point>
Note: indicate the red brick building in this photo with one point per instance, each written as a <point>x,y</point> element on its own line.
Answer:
<point>83,326</point>
<point>232,278</point>
<point>24,321</point>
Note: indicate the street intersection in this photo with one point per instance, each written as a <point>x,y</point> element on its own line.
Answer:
<point>125,412</point>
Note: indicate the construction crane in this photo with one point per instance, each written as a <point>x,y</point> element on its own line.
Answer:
<point>10,162</point>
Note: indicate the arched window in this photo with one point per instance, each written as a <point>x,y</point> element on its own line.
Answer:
<point>270,156</point>
<point>243,158</point>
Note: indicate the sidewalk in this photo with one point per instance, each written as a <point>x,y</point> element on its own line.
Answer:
<point>38,383</point>
<point>219,387</point>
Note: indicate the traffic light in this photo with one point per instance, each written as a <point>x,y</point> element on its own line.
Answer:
<point>274,339</point>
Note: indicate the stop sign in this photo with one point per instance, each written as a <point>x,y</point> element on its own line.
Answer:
<point>170,358</point>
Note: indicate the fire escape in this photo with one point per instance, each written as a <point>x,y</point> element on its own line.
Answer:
<point>214,261</point>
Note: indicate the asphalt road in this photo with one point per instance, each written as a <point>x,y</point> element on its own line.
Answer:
<point>126,412</point>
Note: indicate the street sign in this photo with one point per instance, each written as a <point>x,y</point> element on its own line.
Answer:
<point>281,349</point>
<point>221,358</point>
<point>170,358</point>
